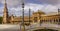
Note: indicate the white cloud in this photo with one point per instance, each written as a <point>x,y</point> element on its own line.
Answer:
<point>16,7</point>
<point>35,7</point>
<point>46,8</point>
<point>51,8</point>
<point>12,3</point>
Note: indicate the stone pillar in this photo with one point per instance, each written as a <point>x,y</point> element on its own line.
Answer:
<point>38,21</point>
<point>55,21</point>
<point>43,20</point>
<point>49,20</point>
<point>12,19</point>
<point>52,20</point>
<point>33,21</point>
<point>58,20</point>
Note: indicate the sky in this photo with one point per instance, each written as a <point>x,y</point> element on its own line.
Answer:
<point>14,6</point>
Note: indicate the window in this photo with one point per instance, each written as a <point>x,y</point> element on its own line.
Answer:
<point>59,20</point>
<point>50,20</point>
<point>54,20</point>
<point>35,19</point>
<point>41,21</point>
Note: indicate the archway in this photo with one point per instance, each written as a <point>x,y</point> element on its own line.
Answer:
<point>45,30</point>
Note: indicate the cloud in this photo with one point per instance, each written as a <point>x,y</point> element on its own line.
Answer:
<point>1,11</point>
<point>14,6</point>
<point>45,8</point>
<point>43,1</point>
<point>34,7</point>
<point>16,3</point>
<point>50,8</point>
<point>49,1</point>
<point>12,3</point>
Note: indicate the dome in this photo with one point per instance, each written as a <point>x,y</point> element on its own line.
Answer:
<point>40,12</point>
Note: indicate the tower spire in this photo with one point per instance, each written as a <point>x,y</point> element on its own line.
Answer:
<point>5,13</point>
<point>58,11</point>
<point>5,7</point>
<point>5,4</point>
<point>5,1</point>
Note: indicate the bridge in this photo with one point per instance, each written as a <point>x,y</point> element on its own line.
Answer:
<point>37,26</point>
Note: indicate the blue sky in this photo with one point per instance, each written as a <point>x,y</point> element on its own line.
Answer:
<point>14,6</point>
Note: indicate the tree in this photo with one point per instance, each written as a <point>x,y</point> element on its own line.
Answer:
<point>1,18</point>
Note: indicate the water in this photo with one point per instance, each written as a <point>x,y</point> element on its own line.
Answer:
<point>45,30</point>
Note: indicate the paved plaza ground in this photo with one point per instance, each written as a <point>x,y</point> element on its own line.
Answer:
<point>9,27</point>
<point>6,27</point>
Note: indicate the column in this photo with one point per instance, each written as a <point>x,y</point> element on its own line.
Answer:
<point>52,20</point>
<point>58,20</point>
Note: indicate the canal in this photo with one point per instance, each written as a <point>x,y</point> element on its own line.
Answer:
<point>45,30</point>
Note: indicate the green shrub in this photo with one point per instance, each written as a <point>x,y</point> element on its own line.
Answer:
<point>1,20</point>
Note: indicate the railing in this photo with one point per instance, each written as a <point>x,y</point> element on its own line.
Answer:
<point>50,26</point>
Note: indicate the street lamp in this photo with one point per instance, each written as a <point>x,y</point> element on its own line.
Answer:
<point>29,19</point>
<point>58,15</point>
<point>23,15</point>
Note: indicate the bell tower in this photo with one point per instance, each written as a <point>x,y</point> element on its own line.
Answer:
<point>5,14</point>
<point>58,11</point>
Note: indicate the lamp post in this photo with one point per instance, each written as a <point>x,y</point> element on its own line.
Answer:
<point>58,15</point>
<point>29,19</point>
<point>29,15</point>
<point>23,16</point>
